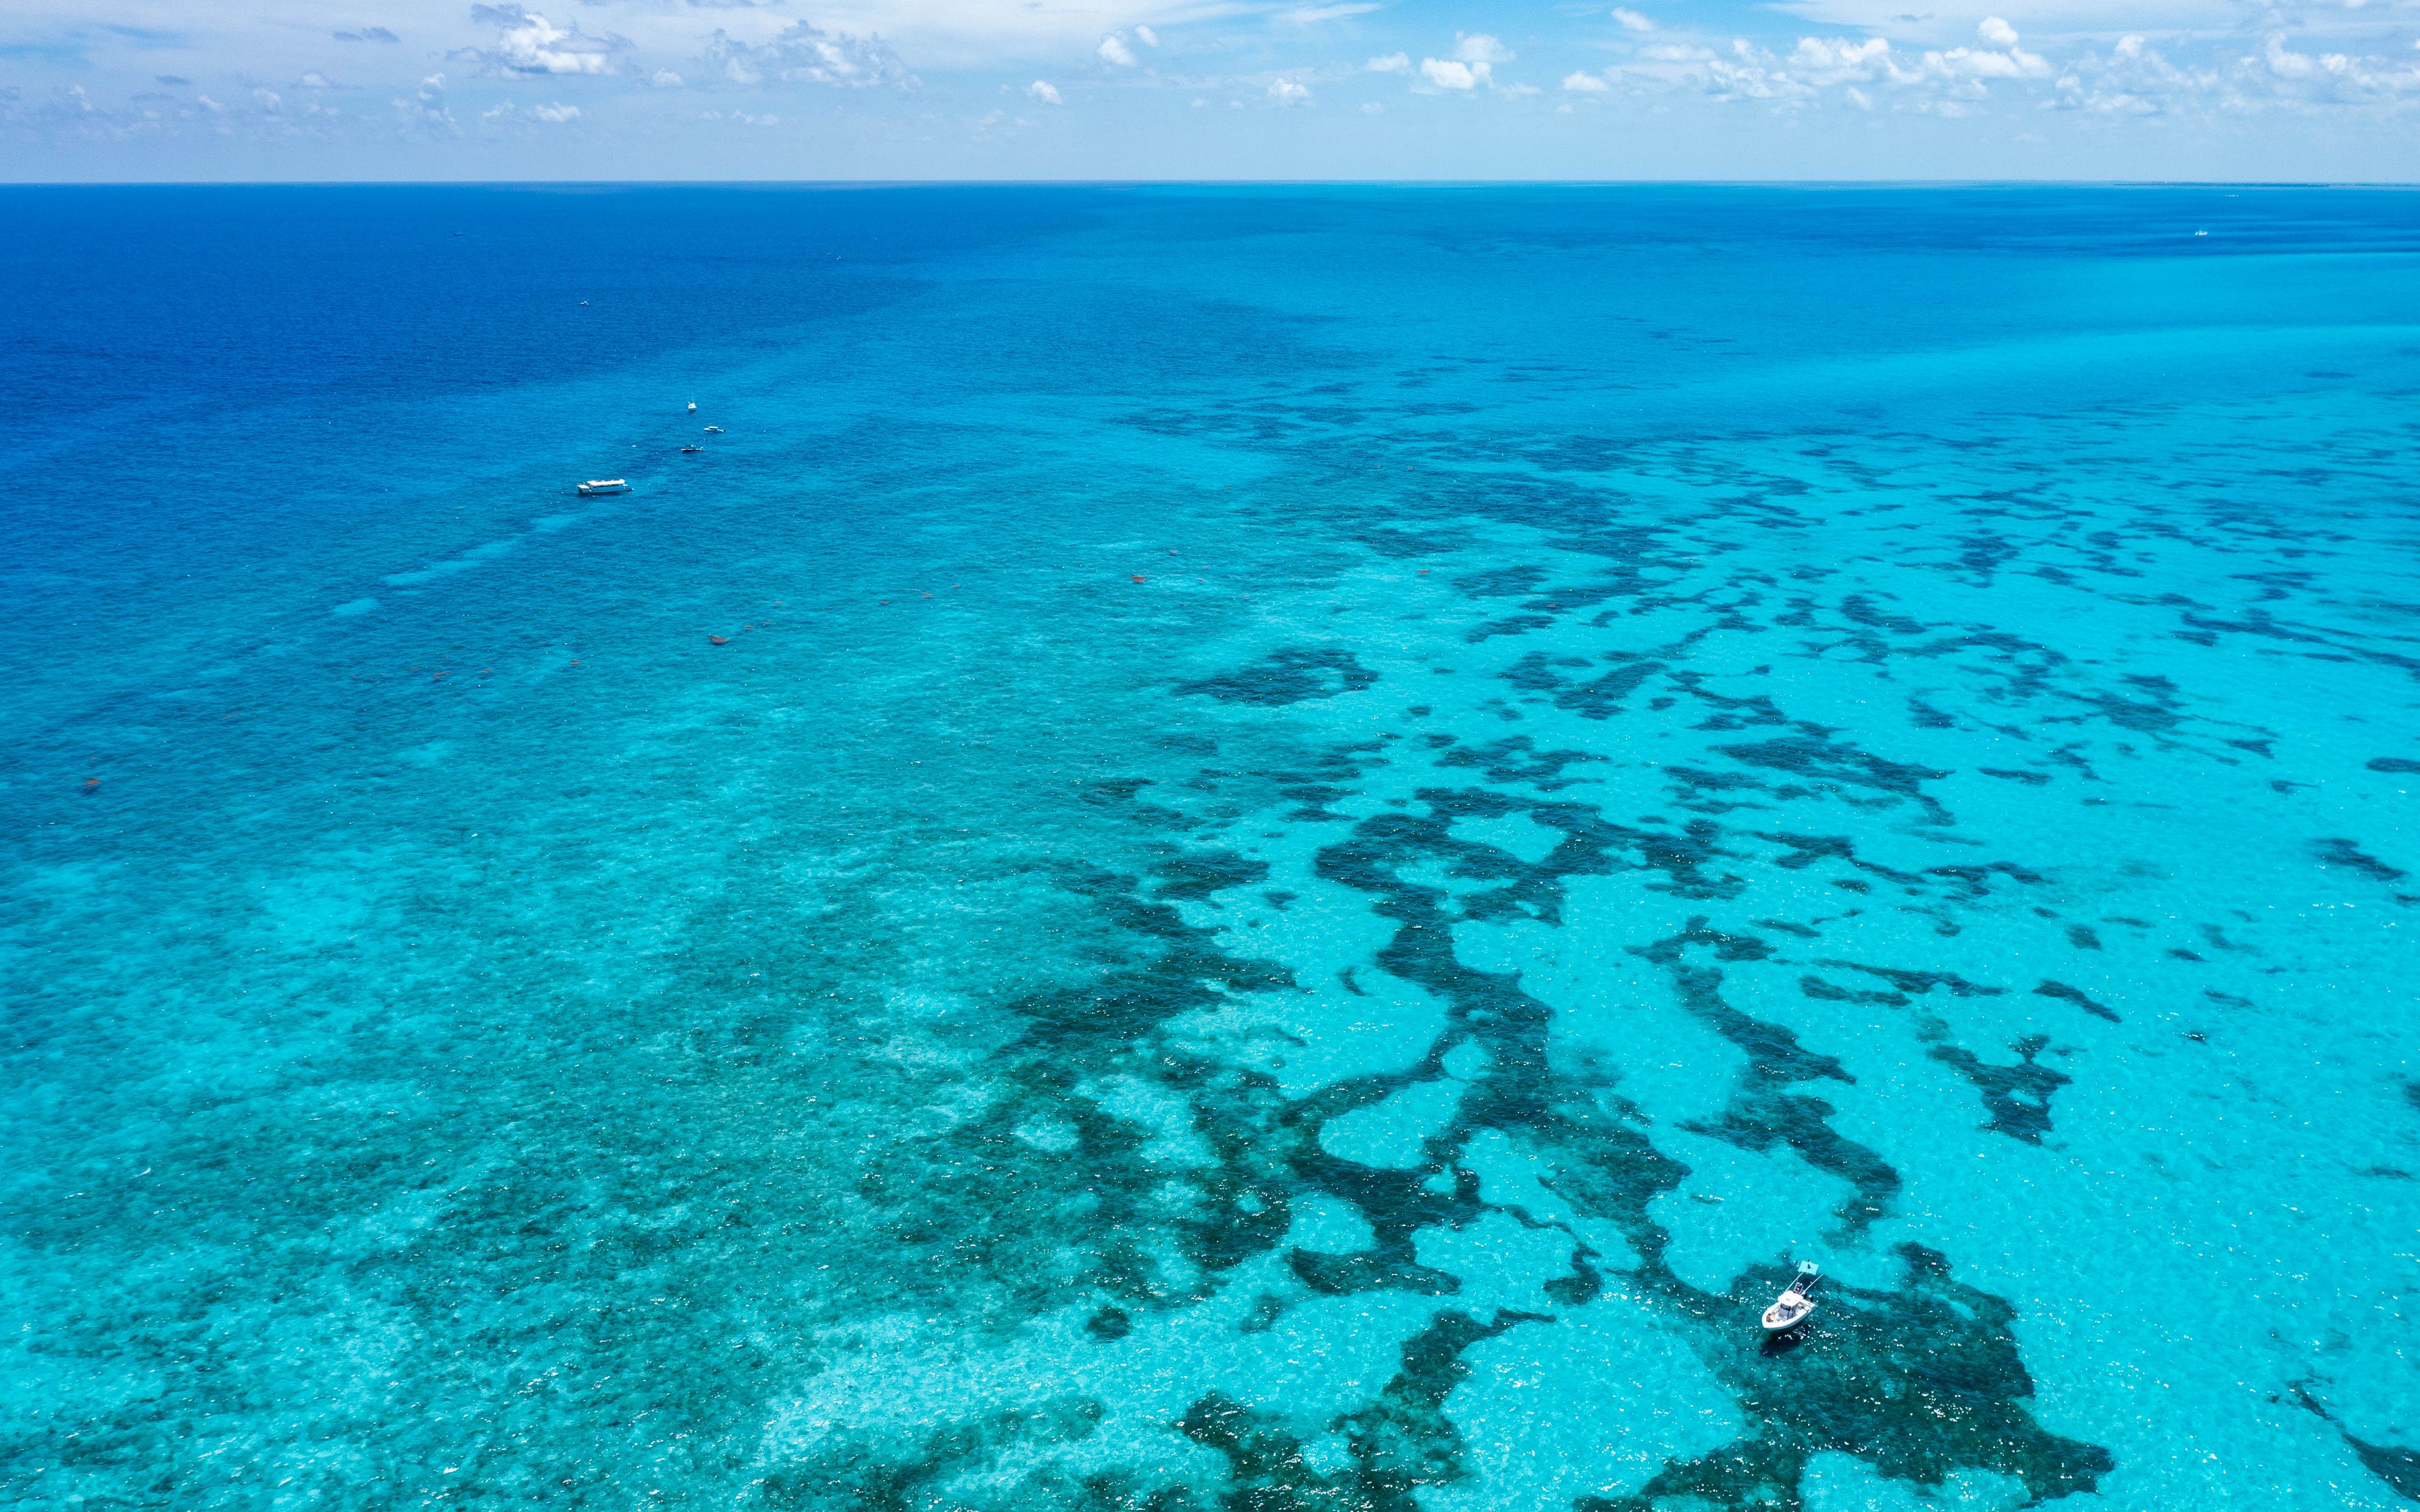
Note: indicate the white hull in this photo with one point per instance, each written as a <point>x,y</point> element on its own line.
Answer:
<point>1796,1302</point>
<point>1788,1313</point>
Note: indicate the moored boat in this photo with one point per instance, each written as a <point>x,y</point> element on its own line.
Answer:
<point>595,485</point>
<point>1795,1303</point>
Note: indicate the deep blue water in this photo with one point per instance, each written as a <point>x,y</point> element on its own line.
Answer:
<point>1330,827</point>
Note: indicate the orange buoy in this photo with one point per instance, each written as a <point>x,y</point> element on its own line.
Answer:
<point>1137,577</point>
<point>719,640</point>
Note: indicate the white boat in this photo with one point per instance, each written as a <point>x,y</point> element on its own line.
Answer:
<point>692,407</point>
<point>714,430</point>
<point>604,485</point>
<point>1795,1303</point>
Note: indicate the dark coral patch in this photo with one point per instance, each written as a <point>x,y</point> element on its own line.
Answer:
<point>2398,1467</point>
<point>2074,994</point>
<point>1517,759</point>
<point>1289,676</point>
<point>1401,1441</point>
<point>2344,853</point>
<point>2018,1096</point>
<point>1921,1381</point>
<point>1598,697</point>
<point>1829,763</point>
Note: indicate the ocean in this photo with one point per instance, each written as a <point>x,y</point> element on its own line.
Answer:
<point>1223,849</point>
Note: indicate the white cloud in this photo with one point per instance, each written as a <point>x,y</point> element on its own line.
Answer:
<point>2354,60</point>
<point>1750,73</point>
<point>2287,64</point>
<point>1480,50</point>
<point>1864,74</point>
<point>423,115</point>
<point>1475,56</point>
<point>1838,53</point>
<point>1986,63</point>
<point>2282,75</point>
<point>528,43</point>
<point>1373,108</point>
<point>805,53</point>
<point>1989,63</point>
<point>989,35</point>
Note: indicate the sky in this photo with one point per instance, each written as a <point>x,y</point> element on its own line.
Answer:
<point>170,90</point>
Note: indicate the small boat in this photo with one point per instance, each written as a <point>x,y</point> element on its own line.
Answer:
<point>692,448</point>
<point>714,430</point>
<point>692,407</point>
<point>1792,1306</point>
<point>595,485</point>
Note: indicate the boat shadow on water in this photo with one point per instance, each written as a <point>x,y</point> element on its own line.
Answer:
<point>1773,1346</point>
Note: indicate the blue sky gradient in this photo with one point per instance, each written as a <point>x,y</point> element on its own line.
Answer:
<point>730,89</point>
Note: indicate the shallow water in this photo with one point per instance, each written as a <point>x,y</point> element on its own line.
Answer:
<point>1332,827</point>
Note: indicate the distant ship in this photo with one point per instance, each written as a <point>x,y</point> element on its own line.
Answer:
<point>604,485</point>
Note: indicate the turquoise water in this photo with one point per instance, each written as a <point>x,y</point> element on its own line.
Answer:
<point>1329,828</point>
